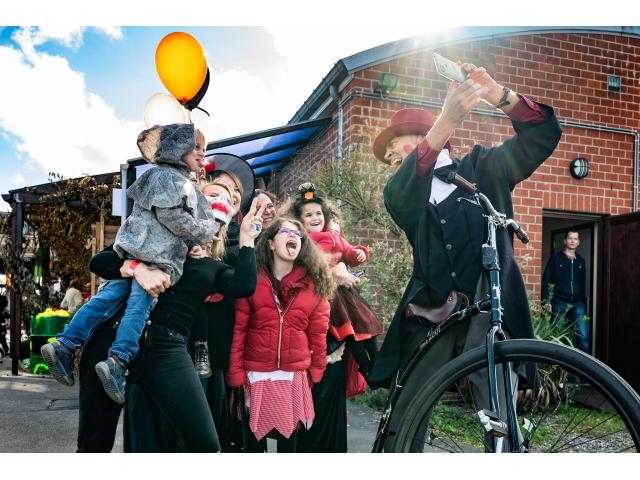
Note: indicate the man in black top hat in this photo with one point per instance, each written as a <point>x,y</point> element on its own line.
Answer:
<point>445,233</point>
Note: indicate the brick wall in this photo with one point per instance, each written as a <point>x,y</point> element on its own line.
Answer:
<point>568,71</point>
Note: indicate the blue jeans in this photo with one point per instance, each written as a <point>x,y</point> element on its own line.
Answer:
<point>105,304</point>
<point>575,313</point>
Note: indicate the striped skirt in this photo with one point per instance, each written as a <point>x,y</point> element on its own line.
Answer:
<point>278,401</point>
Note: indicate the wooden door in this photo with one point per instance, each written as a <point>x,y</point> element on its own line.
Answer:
<point>619,324</point>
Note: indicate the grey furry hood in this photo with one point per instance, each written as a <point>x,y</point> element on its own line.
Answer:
<point>167,144</point>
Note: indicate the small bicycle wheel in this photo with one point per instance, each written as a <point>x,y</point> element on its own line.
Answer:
<point>578,404</point>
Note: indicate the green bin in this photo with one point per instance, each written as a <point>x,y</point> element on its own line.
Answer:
<point>44,328</point>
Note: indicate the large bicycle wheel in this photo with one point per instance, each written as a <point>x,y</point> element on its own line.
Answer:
<point>579,405</point>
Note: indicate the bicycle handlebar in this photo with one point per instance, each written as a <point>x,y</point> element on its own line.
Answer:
<point>462,182</point>
<point>471,188</point>
<point>518,230</point>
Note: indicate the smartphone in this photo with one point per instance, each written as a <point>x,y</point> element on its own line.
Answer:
<point>449,69</point>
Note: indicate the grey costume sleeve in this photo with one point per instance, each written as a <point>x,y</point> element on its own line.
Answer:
<point>186,227</point>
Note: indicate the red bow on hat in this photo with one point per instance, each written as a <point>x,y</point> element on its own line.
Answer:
<point>210,167</point>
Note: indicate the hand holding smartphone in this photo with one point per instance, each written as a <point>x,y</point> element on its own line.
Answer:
<point>449,69</point>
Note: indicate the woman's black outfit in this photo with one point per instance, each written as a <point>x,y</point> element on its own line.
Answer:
<point>164,369</point>
<point>328,434</point>
<point>215,324</point>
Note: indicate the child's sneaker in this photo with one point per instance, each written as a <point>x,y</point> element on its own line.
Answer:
<point>112,373</point>
<point>202,360</point>
<point>59,359</point>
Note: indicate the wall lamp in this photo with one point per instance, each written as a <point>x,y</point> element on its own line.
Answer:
<point>387,84</point>
<point>579,168</point>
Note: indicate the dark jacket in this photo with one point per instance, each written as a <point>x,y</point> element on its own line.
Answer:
<point>567,277</point>
<point>496,171</point>
<point>265,342</point>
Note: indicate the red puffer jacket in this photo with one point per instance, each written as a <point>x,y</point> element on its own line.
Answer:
<point>262,343</point>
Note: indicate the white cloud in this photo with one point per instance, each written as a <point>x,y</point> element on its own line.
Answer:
<point>19,180</point>
<point>59,126</point>
<point>310,52</point>
<point>242,103</point>
<point>113,32</point>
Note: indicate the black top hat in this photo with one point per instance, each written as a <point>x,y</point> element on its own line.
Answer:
<point>227,162</point>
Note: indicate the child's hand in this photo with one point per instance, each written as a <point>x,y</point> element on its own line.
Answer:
<point>333,226</point>
<point>360,255</point>
<point>197,252</point>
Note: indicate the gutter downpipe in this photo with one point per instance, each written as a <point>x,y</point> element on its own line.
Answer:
<point>333,92</point>
<point>568,123</point>
<point>124,169</point>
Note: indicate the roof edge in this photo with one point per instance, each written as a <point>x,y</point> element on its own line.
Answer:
<point>406,46</point>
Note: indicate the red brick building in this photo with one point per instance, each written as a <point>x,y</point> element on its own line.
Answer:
<point>589,75</point>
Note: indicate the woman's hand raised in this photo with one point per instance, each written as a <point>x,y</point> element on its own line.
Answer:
<point>251,225</point>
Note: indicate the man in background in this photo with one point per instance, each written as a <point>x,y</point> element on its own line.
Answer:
<point>566,271</point>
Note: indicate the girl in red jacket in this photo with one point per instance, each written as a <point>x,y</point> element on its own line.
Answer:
<point>279,338</point>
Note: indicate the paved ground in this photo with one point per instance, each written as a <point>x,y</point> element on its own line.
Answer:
<point>38,414</point>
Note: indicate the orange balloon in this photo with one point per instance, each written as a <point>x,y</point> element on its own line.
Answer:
<point>181,65</point>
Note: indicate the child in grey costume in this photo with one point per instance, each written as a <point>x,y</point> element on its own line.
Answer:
<point>170,215</point>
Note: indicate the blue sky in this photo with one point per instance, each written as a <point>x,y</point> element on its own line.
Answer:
<point>72,98</point>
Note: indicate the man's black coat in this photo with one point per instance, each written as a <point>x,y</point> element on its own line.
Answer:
<point>496,171</point>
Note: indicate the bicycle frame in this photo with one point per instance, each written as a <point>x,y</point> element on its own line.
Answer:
<point>492,304</point>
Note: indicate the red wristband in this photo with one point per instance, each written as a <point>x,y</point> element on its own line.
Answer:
<point>132,267</point>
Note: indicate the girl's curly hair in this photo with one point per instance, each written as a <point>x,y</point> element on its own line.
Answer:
<point>310,257</point>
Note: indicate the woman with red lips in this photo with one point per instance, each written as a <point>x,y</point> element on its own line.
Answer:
<point>279,338</point>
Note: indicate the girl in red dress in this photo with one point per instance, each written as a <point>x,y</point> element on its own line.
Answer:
<point>352,319</point>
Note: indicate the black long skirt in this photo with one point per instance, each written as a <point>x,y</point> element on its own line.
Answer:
<point>328,434</point>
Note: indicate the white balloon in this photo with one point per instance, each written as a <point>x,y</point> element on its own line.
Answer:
<point>163,109</point>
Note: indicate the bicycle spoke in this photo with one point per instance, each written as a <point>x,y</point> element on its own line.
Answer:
<point>445,443</point>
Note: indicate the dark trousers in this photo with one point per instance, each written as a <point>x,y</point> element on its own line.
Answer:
<point>285,445</point>
<point>169,379</point>
<point>98,414</point>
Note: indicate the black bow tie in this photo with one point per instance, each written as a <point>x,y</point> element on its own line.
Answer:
<point>446,173</point>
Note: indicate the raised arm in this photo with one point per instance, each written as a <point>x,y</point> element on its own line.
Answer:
<point>239,282</point>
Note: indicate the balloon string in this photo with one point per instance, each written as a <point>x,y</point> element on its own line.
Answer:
<point>200,108</point>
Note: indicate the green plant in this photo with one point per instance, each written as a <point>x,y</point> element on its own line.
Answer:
<point>553,381</point>
<point>61,222</point>
<point>374,399</point>
<point>356,185</point>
